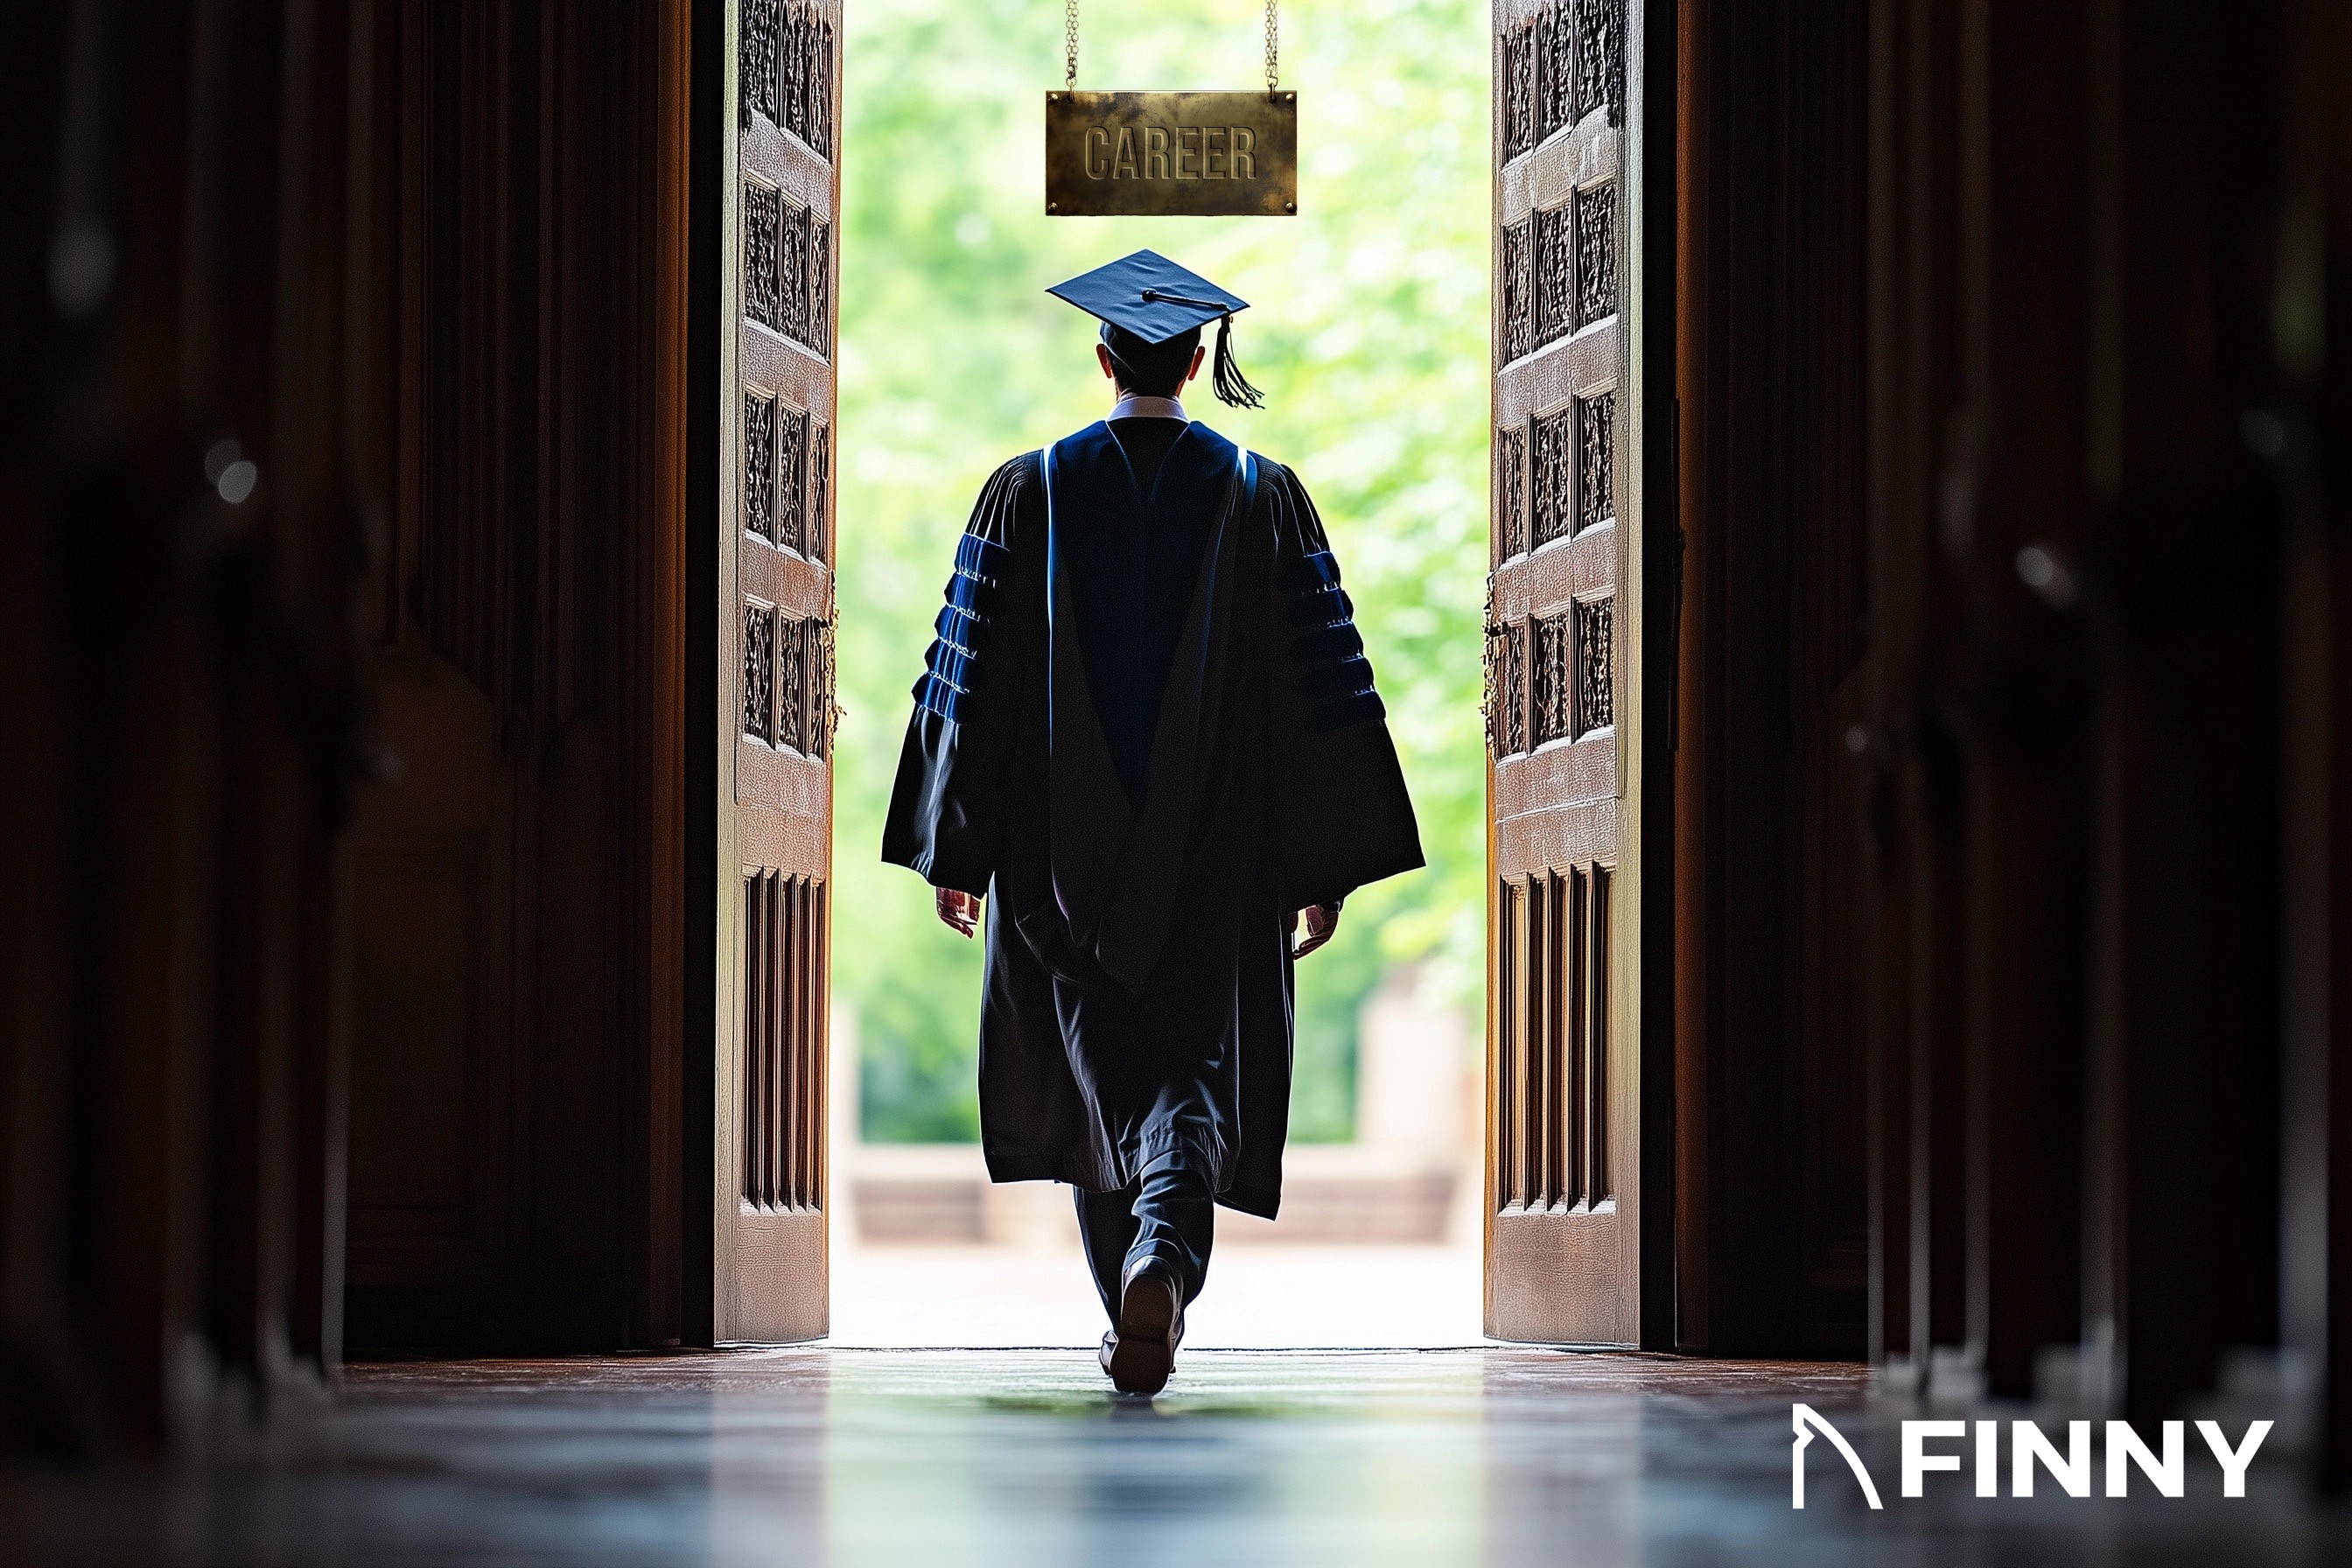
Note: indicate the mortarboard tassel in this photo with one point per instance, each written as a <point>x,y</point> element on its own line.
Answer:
<point>1231,385</point>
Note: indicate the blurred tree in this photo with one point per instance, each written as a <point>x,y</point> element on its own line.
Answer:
<point>1368,332</point>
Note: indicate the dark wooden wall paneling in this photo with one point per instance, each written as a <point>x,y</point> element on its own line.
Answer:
<point>1977,705</point>
<point>423,264</point>
<point>2096,811</point>
<point>1771,1240</point>
<point>516,1102</point>
<point>2005,759</point>
<point>187,717</point>
<point>1914,1087</point>
<point>2316,415</point>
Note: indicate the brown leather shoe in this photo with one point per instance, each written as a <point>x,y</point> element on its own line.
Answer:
<point>1141,1354</point>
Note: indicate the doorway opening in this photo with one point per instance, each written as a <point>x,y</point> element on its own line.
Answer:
<point>1368,336</point>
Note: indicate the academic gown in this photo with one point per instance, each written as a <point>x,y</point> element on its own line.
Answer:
<point>1148,734</point>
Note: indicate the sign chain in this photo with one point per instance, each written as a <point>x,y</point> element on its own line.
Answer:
<point>1070,47</point>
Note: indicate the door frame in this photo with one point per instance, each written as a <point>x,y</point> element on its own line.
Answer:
<point>748,811</point>
<point>1641,983</point>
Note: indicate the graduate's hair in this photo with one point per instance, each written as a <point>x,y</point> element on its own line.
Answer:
<point>1150,370</point>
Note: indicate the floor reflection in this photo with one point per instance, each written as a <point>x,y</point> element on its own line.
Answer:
<point>1502,1457</point>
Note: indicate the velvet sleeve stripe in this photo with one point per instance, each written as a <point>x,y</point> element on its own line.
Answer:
<point>944,700</point>
<point>959,669</point>
<point>975,597</point>
<point>1325,643</point>
<point>1338,712</point>
<point>1308,573</point>
<point>1320,607</point>
<point>1339,678</point>
<point>960,630</point>
<point>984,558</point>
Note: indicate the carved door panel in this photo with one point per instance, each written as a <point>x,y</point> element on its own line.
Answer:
<point>1564,730</point>
<point>775,669</point>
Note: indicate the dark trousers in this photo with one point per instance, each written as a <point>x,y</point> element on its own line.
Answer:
<point>1166,1214</point>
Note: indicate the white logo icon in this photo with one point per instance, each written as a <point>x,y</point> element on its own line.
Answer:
<point>1806,1421</point>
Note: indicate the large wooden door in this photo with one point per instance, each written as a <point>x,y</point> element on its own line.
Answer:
<point>515,886</point>
<point>775,711</point>
<point>1565,693</point>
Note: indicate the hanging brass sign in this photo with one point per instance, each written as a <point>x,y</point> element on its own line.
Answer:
<point>1170,155</point>
<point>1194,154</point>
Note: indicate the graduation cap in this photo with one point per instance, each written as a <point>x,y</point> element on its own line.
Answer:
<point>1150,296</point>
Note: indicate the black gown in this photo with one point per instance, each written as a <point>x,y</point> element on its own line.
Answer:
<point>1148,734</point>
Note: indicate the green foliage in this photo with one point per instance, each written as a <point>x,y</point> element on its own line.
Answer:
<point>1367,333</point>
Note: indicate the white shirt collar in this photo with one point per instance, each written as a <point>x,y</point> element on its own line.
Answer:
<point>1131,406</point>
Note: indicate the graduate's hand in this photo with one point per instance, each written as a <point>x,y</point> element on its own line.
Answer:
<point>959,911</point>
<point>1321,920</point>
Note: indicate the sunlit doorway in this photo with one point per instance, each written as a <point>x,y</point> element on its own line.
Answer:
<point>1368,332</point>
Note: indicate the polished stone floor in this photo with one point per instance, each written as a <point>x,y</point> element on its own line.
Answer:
<point>813,1455</point>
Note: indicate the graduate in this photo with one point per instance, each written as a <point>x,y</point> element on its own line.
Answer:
<point>1146,745</point>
